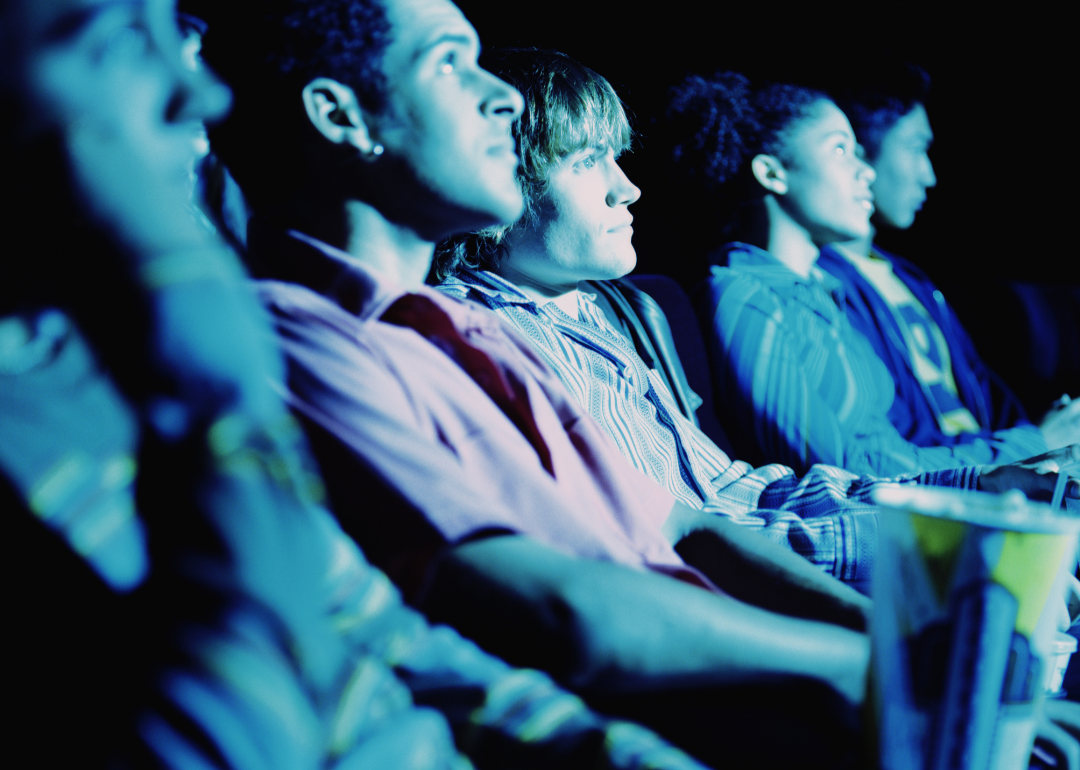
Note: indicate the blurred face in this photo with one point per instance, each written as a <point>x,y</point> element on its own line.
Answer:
<point>448,120</point>
<point>904,171</point>
<point>108,79</point>
<point>584,227</point>
<point>828,183</point>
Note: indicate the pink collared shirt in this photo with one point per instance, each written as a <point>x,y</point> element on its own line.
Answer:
<point>405,409</point>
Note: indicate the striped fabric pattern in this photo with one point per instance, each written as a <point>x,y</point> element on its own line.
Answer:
<point>826,516</point>
<point>803,386</point>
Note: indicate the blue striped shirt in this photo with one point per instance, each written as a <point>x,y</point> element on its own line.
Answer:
<point>822,516</point>
<point>804,387</point>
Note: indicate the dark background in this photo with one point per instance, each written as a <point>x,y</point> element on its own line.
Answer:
<point>1004,154</point>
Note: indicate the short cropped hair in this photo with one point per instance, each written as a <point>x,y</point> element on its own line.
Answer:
<point>890,92</point>
<point>714,127</point>
<point>568,107</point>
<point>267,51</point>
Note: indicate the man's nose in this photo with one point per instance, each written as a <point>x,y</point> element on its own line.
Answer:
<point>502,99</point>
<point>623,191</point>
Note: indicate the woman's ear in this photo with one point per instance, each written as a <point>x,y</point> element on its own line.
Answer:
<point>770,173</point>
<point>334,111</point>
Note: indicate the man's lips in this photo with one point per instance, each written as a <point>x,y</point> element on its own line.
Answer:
<point>627,225</point>
<point>503,149</point>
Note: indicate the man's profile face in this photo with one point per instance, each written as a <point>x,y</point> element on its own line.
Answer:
<point>583,229</point>
<point>448,119</point>
<point>107,79</point>
<point>904,171</point>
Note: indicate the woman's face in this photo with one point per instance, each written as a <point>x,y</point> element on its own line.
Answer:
<point>828,183</point>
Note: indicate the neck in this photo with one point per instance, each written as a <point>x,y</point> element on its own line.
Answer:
<point>859,246</point>
<point>789,241</point>
<point>539,291</point>
<point>395,251</point>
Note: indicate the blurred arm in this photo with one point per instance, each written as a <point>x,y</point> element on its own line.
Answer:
<point>756,570</point>
<point>609,628</point>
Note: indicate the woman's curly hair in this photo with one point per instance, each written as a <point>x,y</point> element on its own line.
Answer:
<point>714,127</point>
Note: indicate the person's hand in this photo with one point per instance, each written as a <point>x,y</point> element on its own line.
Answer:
<point>1059,730</point>
<point>1061,425</point>
<point>1067,609</point>
<point>1035,477</point>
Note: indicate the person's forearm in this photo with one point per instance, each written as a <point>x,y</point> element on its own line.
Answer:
<point>605,627</point>
<point>1035,477</point>
<point>758,571</point>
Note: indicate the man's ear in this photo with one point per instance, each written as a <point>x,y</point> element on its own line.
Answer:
<point>334,111</point>
<point>770,173</point>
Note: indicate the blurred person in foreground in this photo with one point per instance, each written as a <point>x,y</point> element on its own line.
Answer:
<point>176,598</point>
<point>945,393</point>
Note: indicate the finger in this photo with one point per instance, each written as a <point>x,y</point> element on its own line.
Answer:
<point>1061,742</point>
<point>1064,713</point>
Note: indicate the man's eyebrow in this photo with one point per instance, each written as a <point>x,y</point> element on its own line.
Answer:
<point>462,38</point>
<point>70,23</point>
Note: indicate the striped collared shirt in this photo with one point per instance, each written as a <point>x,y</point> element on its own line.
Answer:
<point>806,387</point>
<point>826,516</point>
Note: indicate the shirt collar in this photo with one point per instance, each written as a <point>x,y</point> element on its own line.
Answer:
<point>497,290</point>
<point>772,272</point>
<point>293,257</point>
<point>490,286</point>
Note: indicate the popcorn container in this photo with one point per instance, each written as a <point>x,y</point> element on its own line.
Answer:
<point>966,588</point>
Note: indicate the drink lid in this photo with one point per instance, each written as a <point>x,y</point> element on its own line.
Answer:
<point>1010,510</point>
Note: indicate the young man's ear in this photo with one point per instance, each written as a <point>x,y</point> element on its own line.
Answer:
<point>770,173</point>
<point>334,111</point>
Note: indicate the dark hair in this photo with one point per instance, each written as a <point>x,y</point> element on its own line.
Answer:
<point>886,94</point>
<point>715,126</point>
<point>568,107</point>
<point>267,51</point>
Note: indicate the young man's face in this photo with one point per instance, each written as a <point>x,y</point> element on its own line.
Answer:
<point>904,171</point>
<point>449,120</point>
<point>584,227</point>
<point>107,79</point>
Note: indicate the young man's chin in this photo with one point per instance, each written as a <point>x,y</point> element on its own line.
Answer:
<point>504,211</point>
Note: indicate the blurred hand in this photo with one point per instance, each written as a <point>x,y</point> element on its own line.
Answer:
<point>1060,728</point>
<point>1035,477</point>
<point>1061,425</point>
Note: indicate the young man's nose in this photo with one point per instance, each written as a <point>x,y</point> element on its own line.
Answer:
<point>502,99</point>
<point>866,172</point>
<point>623,191</point>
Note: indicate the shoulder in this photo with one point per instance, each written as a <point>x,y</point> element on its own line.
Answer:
<point>736,288</point>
